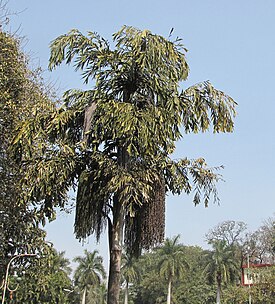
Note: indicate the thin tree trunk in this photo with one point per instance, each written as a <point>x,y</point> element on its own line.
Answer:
<point>84,296</point>
<point>126,293</point>
<point>116,231</point>
<point>218,298</point>
<point>115,239</point>
<point>169,291</point>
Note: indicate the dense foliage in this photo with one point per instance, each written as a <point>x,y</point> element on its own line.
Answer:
<point>44,280</point>
<point>21,94</point>
<point>198,283</point>
<point>146,279</point>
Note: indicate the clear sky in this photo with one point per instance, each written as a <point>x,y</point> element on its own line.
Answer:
<point>230,43</point>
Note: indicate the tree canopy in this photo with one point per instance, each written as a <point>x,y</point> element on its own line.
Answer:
<point>134,107</point>
<point>21,93</point>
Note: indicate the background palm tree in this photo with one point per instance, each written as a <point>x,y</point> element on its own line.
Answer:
<point>221,267</point>
<point>130,272</point>
<point>89,272</point>
<point>172,263</point>
<point>97,294</point>
<point>62,263</point>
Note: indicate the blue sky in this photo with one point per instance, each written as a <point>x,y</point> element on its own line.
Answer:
<point>230,43</point>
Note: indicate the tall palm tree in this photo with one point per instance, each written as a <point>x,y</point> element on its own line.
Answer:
<point>89,272</point>
<point>114,140</point>
<point>130,272</point>
<point>172,263</point>
<point>221,266</point>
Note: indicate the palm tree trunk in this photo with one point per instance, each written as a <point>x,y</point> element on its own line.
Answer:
<point>218,298</point>
<point>126,293</point>
<point>116,232</point>
<point>169,291</point>
<point>84,296</point>
<point>219,283</point>
<point>115,238</point>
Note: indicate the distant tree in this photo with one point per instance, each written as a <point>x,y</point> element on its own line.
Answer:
<point>89,273</point>
<point>199,283</point>
<point>114,141</point>
<point>230,231</point>
<point>172,264</point>
<point>236,294</point>
<point>97,294</point>
<point>190,288</point>
<point>130,273</point>
<point>194,287</point>
<point>234,234</point>
<point>259,244</point>
<point>62,263</point>
<point>151,288</point>
<point>221,266</point>
<point>264,290</point>
<point>44,279</point>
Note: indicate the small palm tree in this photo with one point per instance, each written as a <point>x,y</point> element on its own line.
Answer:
<point>221,266</point>
<point>89,273</point>
<point>172,263</point>
<point>130,272</point>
